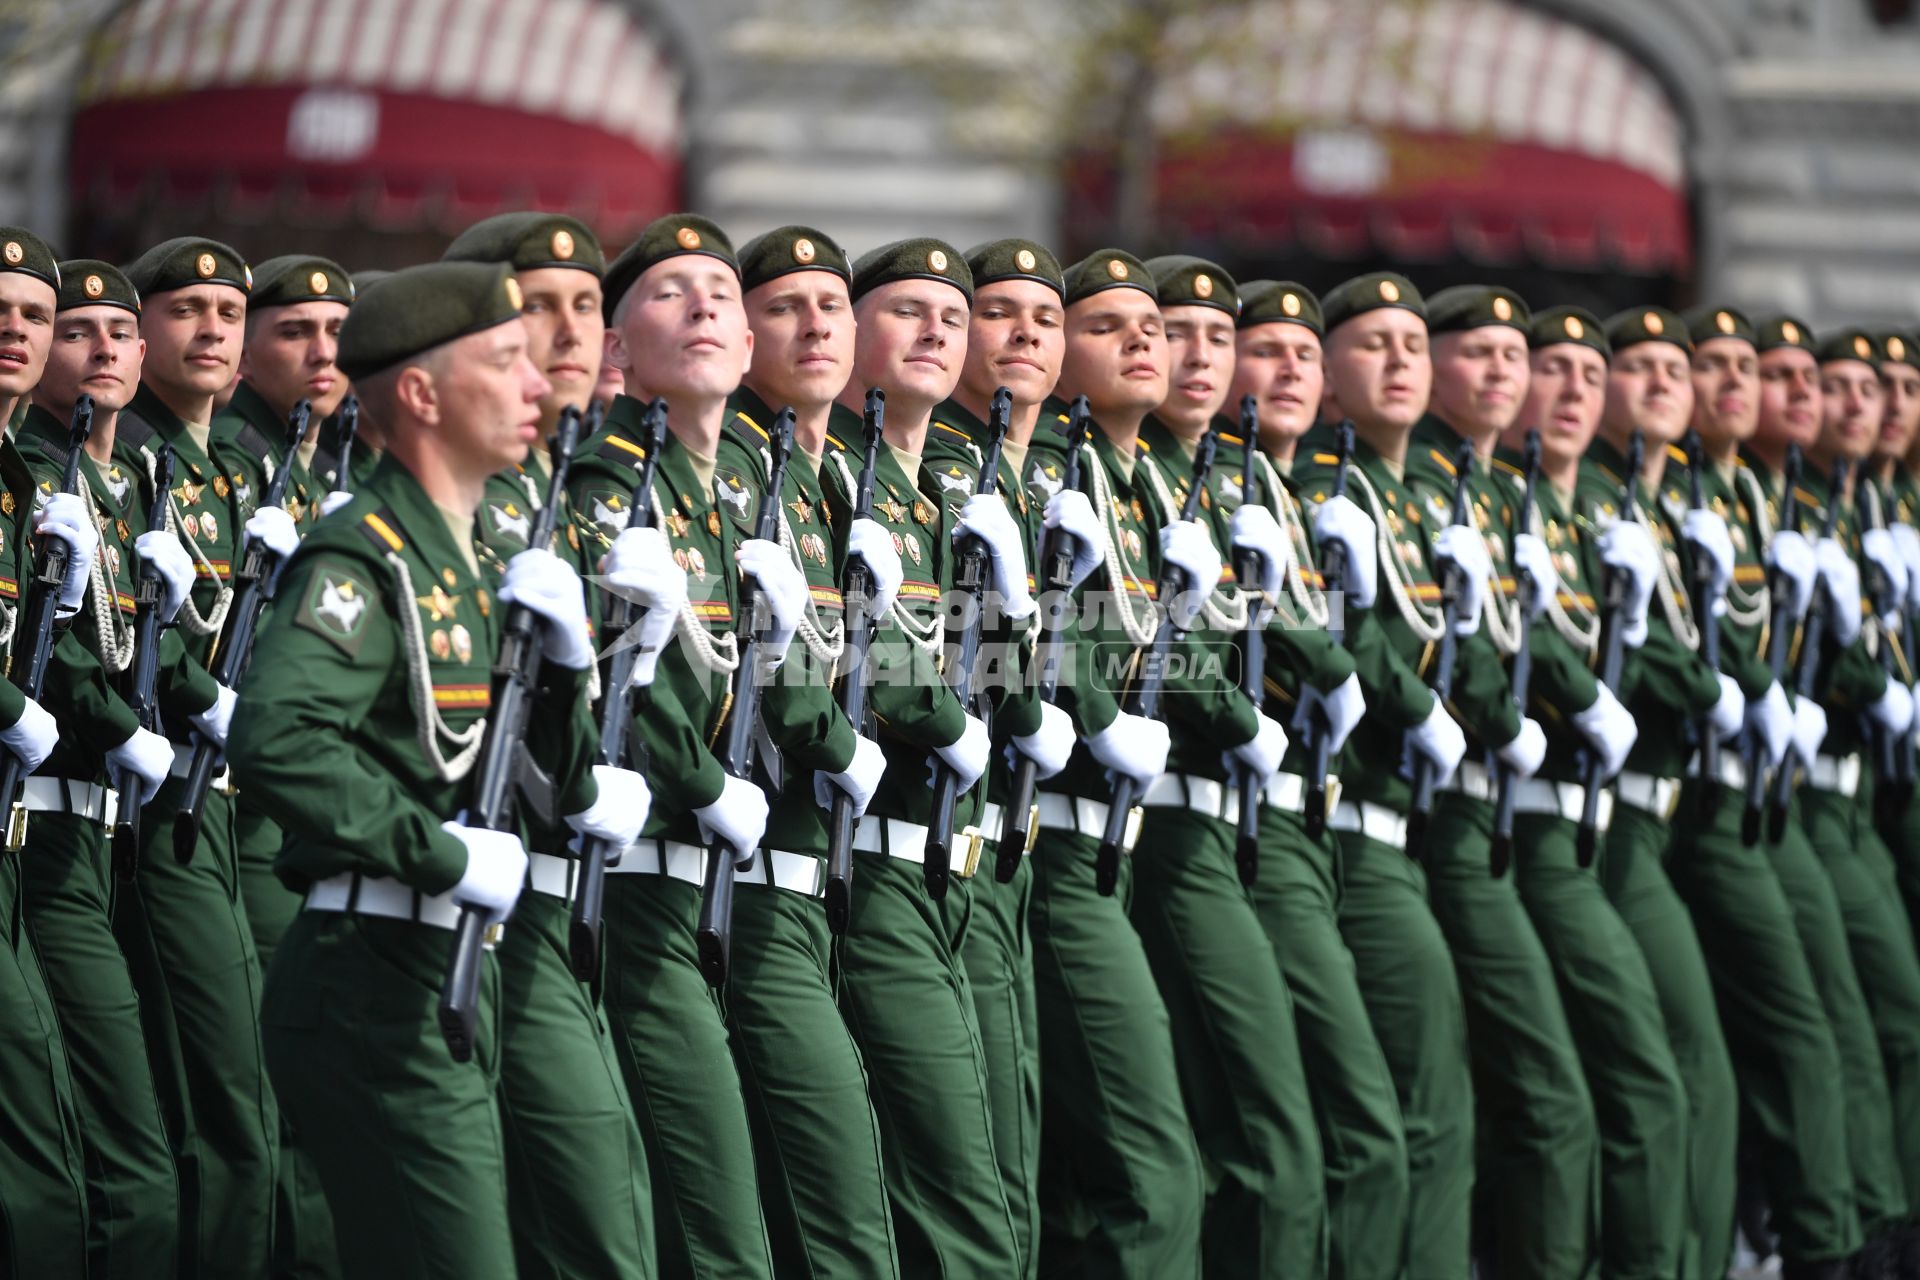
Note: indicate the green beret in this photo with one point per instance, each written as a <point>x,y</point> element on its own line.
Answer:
<point>299,277</point>
<point>1705,324</point>
<point>89,282</point>
<point>1556,325</point>
<point>1476,306</point>
<point>1783,331</point>
<point>1850,343</point>
<point>1016,259</point>
<point>420,308</point>
<point>919,259</point>
<point>1635,325</point>
<point>1370,292</point>
<point>186,261</point>
<point>27,253</point>
<point>361,279</point>
<point>528,242</point>
<point>673,236</point>
<point>1184,281</point>
<point>1899,347</point>
<point>785,250</point>
<point>1279,302</point>
<point>1108,269</point>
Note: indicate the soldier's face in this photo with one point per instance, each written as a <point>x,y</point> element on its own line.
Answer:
<point>1480,378</point>
<point>802,338</point>
<point>912,342</point>
<point>193,338</point>
<point>1279,366</point>
<point>290,356</point>
<point>1017,339</point>
<point>1789,398</point>
<point>1565,394</point>
<point>1726,391</point>
<point>1116,354</point>
<point>1649,386</point>
<point>682,332</point>
<point>26,330</point>
<point>96,352</point>
<point>1900,416</point>
<point>1850,408</point>
<point>487,396</point>
<point>1380,369</point>
<point>1200,353</point>
<point>566,333</point>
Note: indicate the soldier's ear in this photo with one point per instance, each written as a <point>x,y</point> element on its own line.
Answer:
<point>415,392</point>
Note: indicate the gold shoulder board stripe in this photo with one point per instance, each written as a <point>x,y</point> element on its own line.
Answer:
<point>756,426</point>
<point>385,531</point>
<point>1327,459</point>
<point>1446,463</point>
<point>628,445</point>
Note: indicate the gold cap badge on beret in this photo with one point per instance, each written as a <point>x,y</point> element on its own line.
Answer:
<point>1653,323</point>
<point>94,286</point>
<point>1574,328</point>
<point>204,264</point>
<point>688,238</point>
<point>1390,291</point>
<point>1723,322</point>
<point>1896,350</point>
<point>1790,331</point>
<point>317,282</point>
<point>1203,286</point>
<point>803,250</point>
<point>563,245</point>
<point>1116,268</point>
<point>1290,303</point>
<point>1502,309</point>
<point>1862,348</point>
<point>1025,260</point>
<point>14,253</point>
<point>513,293</point>
<point>936,260</point>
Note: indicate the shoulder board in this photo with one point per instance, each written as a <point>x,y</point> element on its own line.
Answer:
<point>1676,454</point>
<point>326,464</point>
<point>1606,473</point>
<point>953,430</point>
<point>1805,499</point>
<point>750,422</point>
<point>836,442</point>
<point>132,430</point>
<point>379,530</point>
<point>1064,417</point>
<point>1509,468</point>
<point>1740,463</point>
<point>1232,441</point>
<point>1327,459</point>
<point>1443,462</point>
<point>254,441</point>
<point>620,448</point>
<point>1141,446</point>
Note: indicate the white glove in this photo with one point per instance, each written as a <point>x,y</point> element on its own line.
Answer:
<point>1134,746</point>
<point>1894,710</point>
<point>1344,705</point>
<point>1791,556</point>
<point>966,755</point>
<point>1770,720</point>
<point>545,584</point>
<point>782,586</point>
<point>1730,711</point>
<point>169,558</point>
<point>1532,559</point>
<point>737,819</point>
<point>1051,744</point>
<point>1878,547</point>
<point>1610,731</point>
<point>65,517</point>
<point>870,540</point>
<point>1261,755</point>
<point>496,870</point>
<point>859,780</point>
<point>1906,540</point>
<point>274,529</point>
<point>1527,750</point>
<point>1707,531</point>
<point>1254,528</point>
<point>1186,545</point>
<point>1840,579</point>
<point>1440,740</point>
<point>619,810</point>
<point>334,500</point>
<point>33,736</point>
<point>214,722</point>
<point>1070,512</point>
<point>1626,547</point>
<point>147,757</point>
<point>1809,728</point>
<point>1462,545</point>
<point>640,568</point>
<point>1341,520</point>
<point>986,517</point>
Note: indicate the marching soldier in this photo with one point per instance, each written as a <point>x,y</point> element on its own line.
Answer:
<point>1900,507</point>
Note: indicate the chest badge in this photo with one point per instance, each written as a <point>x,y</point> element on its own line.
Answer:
<point>802,511</point>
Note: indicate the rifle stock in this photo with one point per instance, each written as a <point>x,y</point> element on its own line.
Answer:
<point>1806,674</point>
<point>1333,568</point>
<point>1527,590</point>
<point>857,597</point>
<point>143,689</point>
<point>1253,649</point>
<point>1779,631</point>
<point>1453,588</point>
<point>1612,656</point>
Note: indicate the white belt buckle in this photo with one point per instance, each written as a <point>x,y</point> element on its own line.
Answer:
<point>1333,793</point>
<point>109,807</point>
<point>974,839</point>
<point>17,826</point>
<point>1033,827</point>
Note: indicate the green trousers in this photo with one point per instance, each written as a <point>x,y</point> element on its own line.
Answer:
<point>999,963</point>
<point>816,1141</point>
<point>576,1175</point>
<point>1879,1193</point>
<point>43,1181</point>
<point>1777,1037</point>
<point>1235,1047</point>
<point>67,881</point>
<point>189,947</point>
<point>1903,838</point>
<point>1363,1149</point>
<point>1538,1140</point>
<point>407,1142</point>
<point>1121,1193</point>
<point>905,997</point>
<point>671,1037</point>
<point>1639,1100</point>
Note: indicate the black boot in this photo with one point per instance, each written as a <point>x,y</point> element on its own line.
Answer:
<point>1875,1261</point>
<point>1836,1270</point>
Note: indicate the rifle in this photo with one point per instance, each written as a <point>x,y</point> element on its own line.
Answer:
<point>1019,828</point>
<point>143,689</point>
<point>857,595</point>
<point>49,571</point>
<point>1892,753</point>
<point>1333,567</point>
<point>1253,649</point>
<point>1526,589</point>
<point>1144,698</point>
<point>347,426</point>
<point>1613,654</point>
<point>252,589</point>
<point>1807,673</point>
<point>1453,590</point>
<point>1700,588</point>
<point>504,766</point>
<point>970,579</point>
<point>616,716</point>
<point>714,934</point>
<point>1779,633</point>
